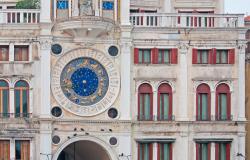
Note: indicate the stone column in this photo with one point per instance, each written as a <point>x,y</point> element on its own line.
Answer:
<point>75,11</point>
<point>212,151</point>
<point>155,155</point>
<point>181,145</point>
<point>213,105</point>
<point>183,83</point>
<point>125,104</point>
<point>45,78</point>
<point>45,140</point>
<point>241,146</point>
<point>45,124</point>
<point>45,11</point>
<point>155,107</point>
<point>124,12</point>
<point>11,52</point>
<point>241,83</point>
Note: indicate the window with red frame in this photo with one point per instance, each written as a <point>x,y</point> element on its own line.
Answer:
<point>4,98</point>
<point>164,151</point>
<point>222,151</point>
<point>214,56</point>
<point>21,53</point>
<point>203,102</point>
<point>203,151</point>
<point>223,102</point>
<point>145,102</point>
<point>164,102</point>
<point>145,151</point>
<point>165,56</point>
<point>4,149</point>
<point>4,53</point>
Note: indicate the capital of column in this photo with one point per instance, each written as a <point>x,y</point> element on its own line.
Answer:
<point>242,48</point>
<point>183,47</point>
<point>45,44</point>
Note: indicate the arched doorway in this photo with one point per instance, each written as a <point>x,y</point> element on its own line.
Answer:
<point>85,148</point>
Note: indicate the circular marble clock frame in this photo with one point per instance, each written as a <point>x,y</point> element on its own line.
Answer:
<point>106,78</point>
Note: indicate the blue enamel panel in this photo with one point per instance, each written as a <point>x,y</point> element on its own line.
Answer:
<point>107,5</point>
<point>84,81</point>
<point>62,4</point>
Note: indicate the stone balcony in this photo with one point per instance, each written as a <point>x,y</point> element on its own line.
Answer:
<point>183,20</point>
<point>19,16</point>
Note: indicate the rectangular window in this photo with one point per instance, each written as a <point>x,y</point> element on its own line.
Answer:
<point>202,106</point>
<point>164,151</point>
<point>62,4</point>
<point>164,56</point>
<point>4,53</point>
<point>145,151</point>
<point>222,151</point>
<point>22,149</point>
<point>4,149</point>
<point>145,107</point>
<point>222,104</point>
<point>145,56</point>
<point>164,107</point>
<point>21,53</point>
<point>203,151</point>
<point>221,56</point>
<point>202,56</point>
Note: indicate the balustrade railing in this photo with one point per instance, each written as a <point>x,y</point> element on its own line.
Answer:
<point>15,115</point>
<point>174,20</point>
<point>19,16</point>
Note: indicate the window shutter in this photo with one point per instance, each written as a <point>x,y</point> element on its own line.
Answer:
<point>170,151</point>
<point>214,55</point>
<point>150,151</point>
<point>136,55</point>
<point>229,106</point>
<point>138,151</point>
<point>154,53</point>
<point>170,107</point>
<point>151,106</point>
<point>194,56</point>
<point>158,151</point>
<point>197,151</point>
<point>174,55</point>
<point>228,151</point>
<point>209,151</point>
<point>217,151</point>
<point>231,55</point>
<point>210,56</point>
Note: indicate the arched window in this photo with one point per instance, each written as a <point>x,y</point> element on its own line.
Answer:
<point>21,99</point>
<point>164,102</point>
<point>223,102</point>
<point>4,99</point>
<point>203,102</point>
<point>145,102</point>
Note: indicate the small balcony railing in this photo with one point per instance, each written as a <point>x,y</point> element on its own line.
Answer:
<point>214,118</point>
<point>15,115</point>
<point>155,118</point>
<point>19,16</point>
<point>181,20</point>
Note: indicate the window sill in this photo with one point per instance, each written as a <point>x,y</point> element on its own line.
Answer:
<point>16,62</point>
<point>212,65</point>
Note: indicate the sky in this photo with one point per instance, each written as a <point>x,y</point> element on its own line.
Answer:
<point>237,6</point>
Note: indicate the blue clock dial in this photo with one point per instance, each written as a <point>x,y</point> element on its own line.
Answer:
<point>84,81</point>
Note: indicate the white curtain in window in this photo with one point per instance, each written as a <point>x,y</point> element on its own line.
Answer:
<point>147,56</point>
<point>147,106</point>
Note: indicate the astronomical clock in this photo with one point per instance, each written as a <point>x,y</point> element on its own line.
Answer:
<point>85,82</point>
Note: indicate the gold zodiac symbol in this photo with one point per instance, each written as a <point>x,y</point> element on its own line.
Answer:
<point>70,69</point>
<point>85,62</point>
<point>94,66</point>
<point>68,83</point>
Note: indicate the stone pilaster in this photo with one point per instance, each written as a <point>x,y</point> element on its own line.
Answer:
<point>183,83</point>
